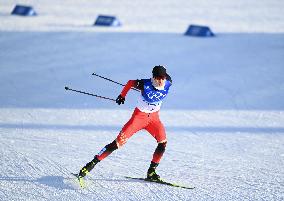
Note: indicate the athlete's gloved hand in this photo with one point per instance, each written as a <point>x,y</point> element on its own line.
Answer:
<point>120,100</point>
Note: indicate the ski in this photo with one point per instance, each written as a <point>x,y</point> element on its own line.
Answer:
<point>80,180</point>
<point>161,182</point>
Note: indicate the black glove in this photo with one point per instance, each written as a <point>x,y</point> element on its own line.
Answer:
<point>120,100</point>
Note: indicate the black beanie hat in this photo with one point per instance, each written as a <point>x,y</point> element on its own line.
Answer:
<point>159,71</point>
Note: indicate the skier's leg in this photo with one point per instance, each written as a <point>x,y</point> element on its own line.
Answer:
<point>159,151</point>
<point>107,150</point>
<point>157,130</point>
<point>151,173</point>
<point>88,167</point>
<point>137,122</point>
<point>132,126</point>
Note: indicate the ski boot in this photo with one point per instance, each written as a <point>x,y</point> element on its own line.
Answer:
<point>151,174</point>
<point>85,170</point>
<point>88,167</point>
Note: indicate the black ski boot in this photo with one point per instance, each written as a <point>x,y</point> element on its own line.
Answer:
<point>151,174</point>
<point>88,167</point>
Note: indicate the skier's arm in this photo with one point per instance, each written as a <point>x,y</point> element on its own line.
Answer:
<point>131,83</point>
<point>138,84</point>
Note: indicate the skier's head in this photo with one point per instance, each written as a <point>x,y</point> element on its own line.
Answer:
<point>159,71</point>
<point>159,75</point>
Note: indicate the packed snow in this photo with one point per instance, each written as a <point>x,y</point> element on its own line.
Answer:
<point>224,115</point>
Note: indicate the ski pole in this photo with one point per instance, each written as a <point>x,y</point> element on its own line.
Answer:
<point>112,81</point>
<point>90,94</point>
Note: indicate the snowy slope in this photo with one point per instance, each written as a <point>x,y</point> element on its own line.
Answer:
<point>224,115</point>
<point>226,155</point>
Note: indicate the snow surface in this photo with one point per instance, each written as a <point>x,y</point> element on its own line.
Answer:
<point>224,115</point>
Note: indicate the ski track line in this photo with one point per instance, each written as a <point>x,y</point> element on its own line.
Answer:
<point>44,160</point>
<point>5,195</point>
<point>140,195</point>
<point>79,191</point>
<point>157,189</point>
<point>156,193</point>
<point>170,192</point>
<point>101,195</point>
<point>175,194</point>
<point>136,193</point>
<point>121,187</point>
<point>95,190</point>
<point>68,175</point>
<point>28,160</point>
<point>153,186</point>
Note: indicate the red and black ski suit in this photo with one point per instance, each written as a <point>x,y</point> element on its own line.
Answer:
<point>149,121</point>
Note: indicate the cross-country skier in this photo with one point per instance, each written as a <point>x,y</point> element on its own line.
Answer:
<point>145,116</point>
